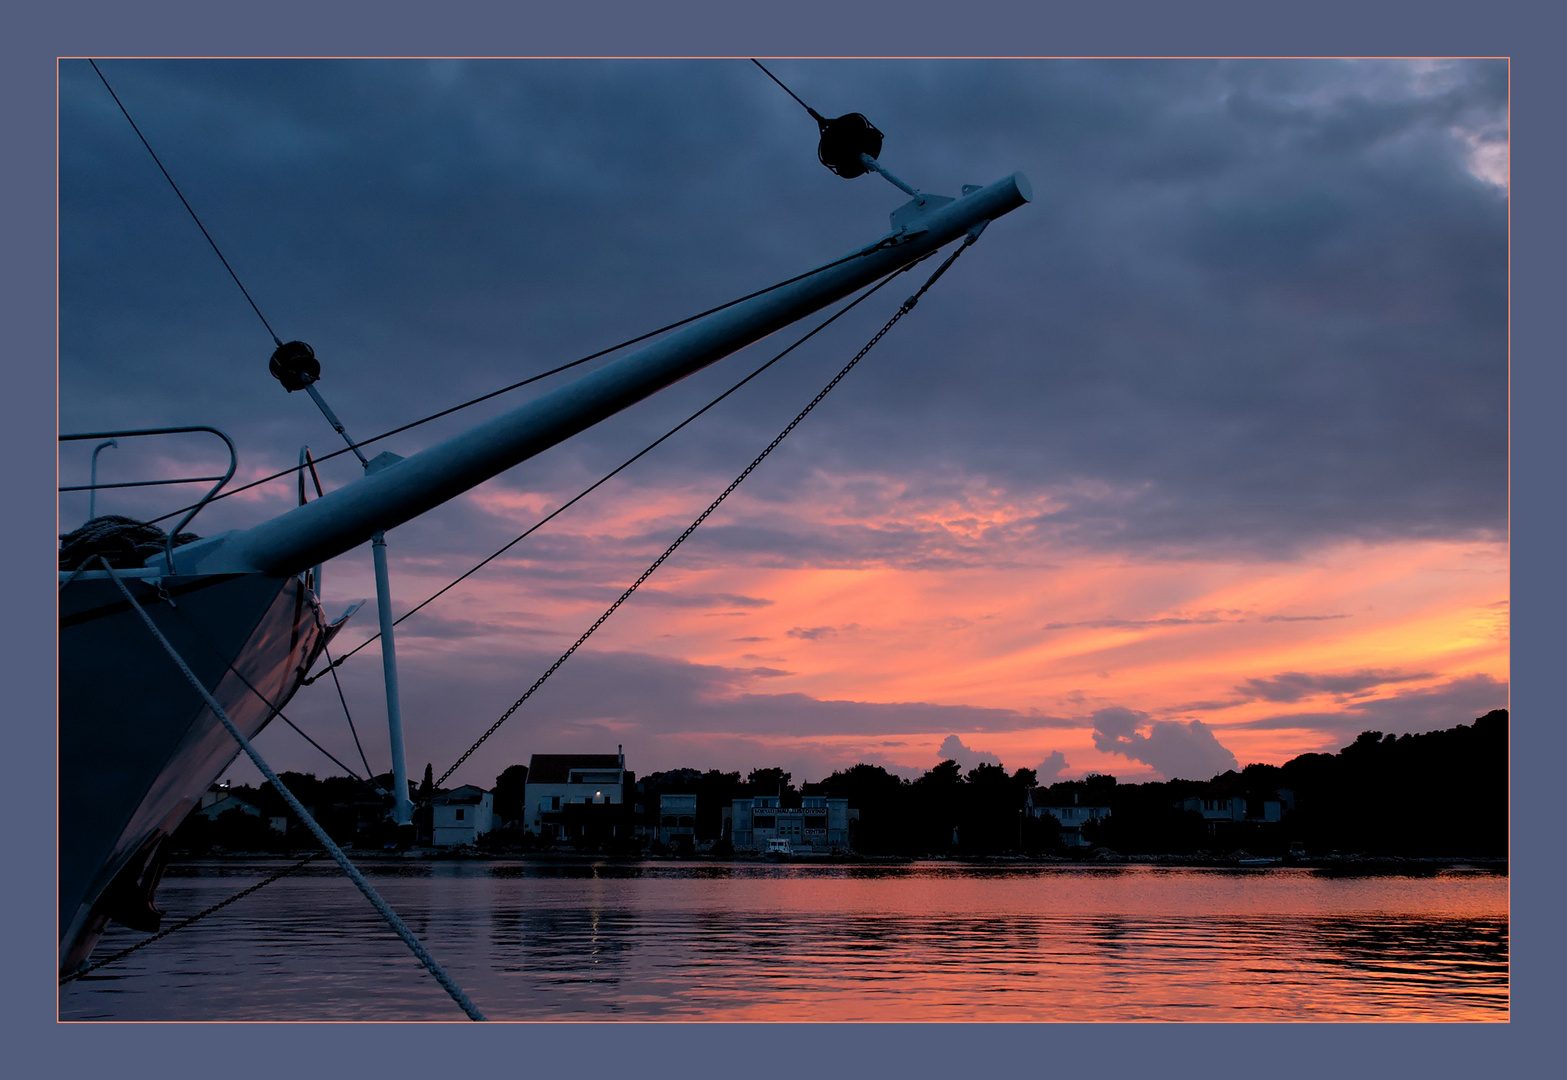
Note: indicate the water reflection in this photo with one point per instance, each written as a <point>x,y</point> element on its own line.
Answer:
<point>541,940</point>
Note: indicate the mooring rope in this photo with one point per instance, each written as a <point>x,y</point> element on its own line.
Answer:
<point>396,923</point>
<point>332,665</point>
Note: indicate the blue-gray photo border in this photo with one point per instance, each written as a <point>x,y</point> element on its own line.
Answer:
<point>41,1046</point>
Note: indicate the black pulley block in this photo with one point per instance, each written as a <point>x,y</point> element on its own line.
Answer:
<point>295,365</point>
<point>844,139</point>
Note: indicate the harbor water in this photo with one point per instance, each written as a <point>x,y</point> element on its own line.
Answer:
<point>668,940</point>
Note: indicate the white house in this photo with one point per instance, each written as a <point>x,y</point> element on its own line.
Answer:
<point>218,798</point>
<point>1071,816</point>
<point>1234,807</point>
<point>585,781</point>
<point>461,816</point>
<point>217,801</point>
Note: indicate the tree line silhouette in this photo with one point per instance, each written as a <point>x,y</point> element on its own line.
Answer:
<point>1435,794</point>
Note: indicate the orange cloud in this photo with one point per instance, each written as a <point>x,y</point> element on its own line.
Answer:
<point>1054,632</point>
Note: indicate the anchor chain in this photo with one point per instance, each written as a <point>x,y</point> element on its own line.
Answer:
<point>907,306</point>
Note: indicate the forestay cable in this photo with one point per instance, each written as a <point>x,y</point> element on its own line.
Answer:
<point>585,492</point>
<point>908,305</point>
<point>276,711</point>
<point>188,210</point>
<point>878,246</point>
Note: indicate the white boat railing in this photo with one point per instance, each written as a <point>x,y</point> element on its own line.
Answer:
<point>130,433</point>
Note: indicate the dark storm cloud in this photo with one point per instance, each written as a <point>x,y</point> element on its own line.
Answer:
<point>1186,751</point>
<point>1302,618</point>
<point>653,705</point>
<point>1097,624</point>
<point>952,748</point>
<point>1294,685</point>
<point>1254,306</point>
<point>665,598</point>
<point>795,543</point>
<point>1457,701</point>
<point>1201,619</point>
<point>433,626</point>
<point>1049,771</point>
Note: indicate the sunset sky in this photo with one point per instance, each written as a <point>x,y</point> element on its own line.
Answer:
<point>1199,459</point>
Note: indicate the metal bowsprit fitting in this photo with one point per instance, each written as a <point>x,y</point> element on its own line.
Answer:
<point>296,367</point>
<point>850,144</point>
<point>846,142</point>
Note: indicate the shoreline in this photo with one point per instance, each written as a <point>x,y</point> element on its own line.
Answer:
<point>1358,864</point>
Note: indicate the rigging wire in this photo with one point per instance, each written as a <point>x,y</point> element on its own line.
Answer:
<point>201,636</point>
<point>887,242</point>
<point>183,923</point>
<point>275,339</point>
<point>623,465</point>
<point>908,305</point>
<point>332,667</point>
<point>814,114</point>
<point>220,905</point>
<point>393,920</point>
<point>879,246</point>
<point>315,584</point>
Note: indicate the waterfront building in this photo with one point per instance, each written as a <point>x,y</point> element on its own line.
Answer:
<point>461,816</point>
<point>218,800</point>
<point>676,820</point>
<point>1070,816</point>
<point>577,796</point>
<point>819,825</point>
<point>1215,808</point>
<point>1274,809</point>
<point>1225,802</point>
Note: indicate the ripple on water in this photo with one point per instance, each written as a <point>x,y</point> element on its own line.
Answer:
<point>784,942</point>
